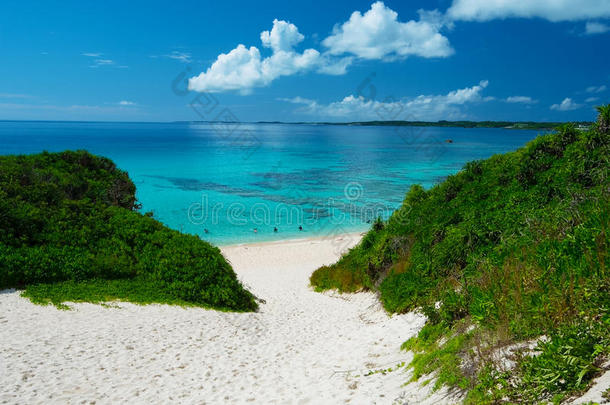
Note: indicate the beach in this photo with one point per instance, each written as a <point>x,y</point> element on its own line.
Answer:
<point>301,347</point>
<point>233,202</point>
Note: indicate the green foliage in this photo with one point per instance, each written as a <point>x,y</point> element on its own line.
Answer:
<point>70,233</point>
<point>562,365</point>
<point>516,245</point>
<point>566,362</point>
<point>603,122</point>
<point>378,225</point>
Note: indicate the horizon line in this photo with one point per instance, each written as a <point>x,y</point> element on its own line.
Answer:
<point>299,122</point>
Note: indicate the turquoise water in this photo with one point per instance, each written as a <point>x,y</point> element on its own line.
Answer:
<point>232,180</point>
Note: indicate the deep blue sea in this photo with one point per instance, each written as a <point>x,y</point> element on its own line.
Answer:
<point>231,181</point>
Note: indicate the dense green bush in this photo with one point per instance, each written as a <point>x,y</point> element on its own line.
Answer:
<point>69,232</point>
<point>515,246</point>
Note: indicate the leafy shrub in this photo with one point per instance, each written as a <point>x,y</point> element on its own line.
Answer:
<point>70,232</point>
<point>565,363</point>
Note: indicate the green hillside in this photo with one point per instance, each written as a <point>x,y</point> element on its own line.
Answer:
<point>510,249</point>
<point>70,232</point>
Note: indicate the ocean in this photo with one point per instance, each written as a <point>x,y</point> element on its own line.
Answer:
<point>241,183</point>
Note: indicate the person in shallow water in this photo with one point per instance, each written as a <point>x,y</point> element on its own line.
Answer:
<point>300,228</point>
<point>275,229</point>
<point>255,230</point>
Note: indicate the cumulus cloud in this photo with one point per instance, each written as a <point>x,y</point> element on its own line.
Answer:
<point>468,94</point>
<point>244,68</point>
<point>593,28</point>
<point>552,10</point>
<point>377,34</point>
<point>521,100</point>
<point>566,105</point>
<point>126,103</point>
<point>283,36</point>
<point>423,107</point>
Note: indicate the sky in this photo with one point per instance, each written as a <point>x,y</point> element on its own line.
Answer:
<point>538,60</point>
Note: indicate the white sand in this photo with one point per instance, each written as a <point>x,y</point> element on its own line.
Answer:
<point>302,347</point>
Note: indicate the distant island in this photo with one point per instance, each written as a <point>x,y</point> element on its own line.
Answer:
<point>469,124</point>
<point>533,125</point>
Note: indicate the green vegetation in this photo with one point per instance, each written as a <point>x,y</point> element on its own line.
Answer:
<point>70,232</point>
<point>603,120</point>
<point>508,250</point>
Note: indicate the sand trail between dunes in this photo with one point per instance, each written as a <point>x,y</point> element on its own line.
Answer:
<point>302,347</point>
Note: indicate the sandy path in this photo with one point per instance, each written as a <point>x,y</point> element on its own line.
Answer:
<point>302,347</point>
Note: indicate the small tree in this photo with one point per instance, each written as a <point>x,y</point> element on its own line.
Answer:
<point>603,119</point>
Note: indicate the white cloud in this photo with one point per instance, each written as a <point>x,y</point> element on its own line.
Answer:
<point>566,105</point>
<point>423,107</point>
<point>468,94</point>
<point>521,100</point>
<point>184,57</point>
<point>552,10</point>
<point>284,63</point>
<point>283,36</point>
<point>593,28</point>
<point>591,99</point>
<point>596,89</point>
<point>126,103</point>
<point>99,61</point>
<point>239,69</point>
<point>334,66</point>
<point>244,68</point>
<point>309,103</point>
<point>377,34</point>
<point>102,62</point>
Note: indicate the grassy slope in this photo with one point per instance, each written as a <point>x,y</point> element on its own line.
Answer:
<point>516,246</point>
<point>69,232</point>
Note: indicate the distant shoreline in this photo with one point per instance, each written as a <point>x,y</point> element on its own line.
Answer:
<point>532,125</point>
<point>524,125</point>
<point>527,125</point>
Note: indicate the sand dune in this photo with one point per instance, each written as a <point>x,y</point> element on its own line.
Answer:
<point>302,347</point>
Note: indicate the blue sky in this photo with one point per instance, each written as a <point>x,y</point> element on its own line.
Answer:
<point>304,61</point>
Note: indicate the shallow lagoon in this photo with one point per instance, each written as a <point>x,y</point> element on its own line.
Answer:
<point>328,179</point>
